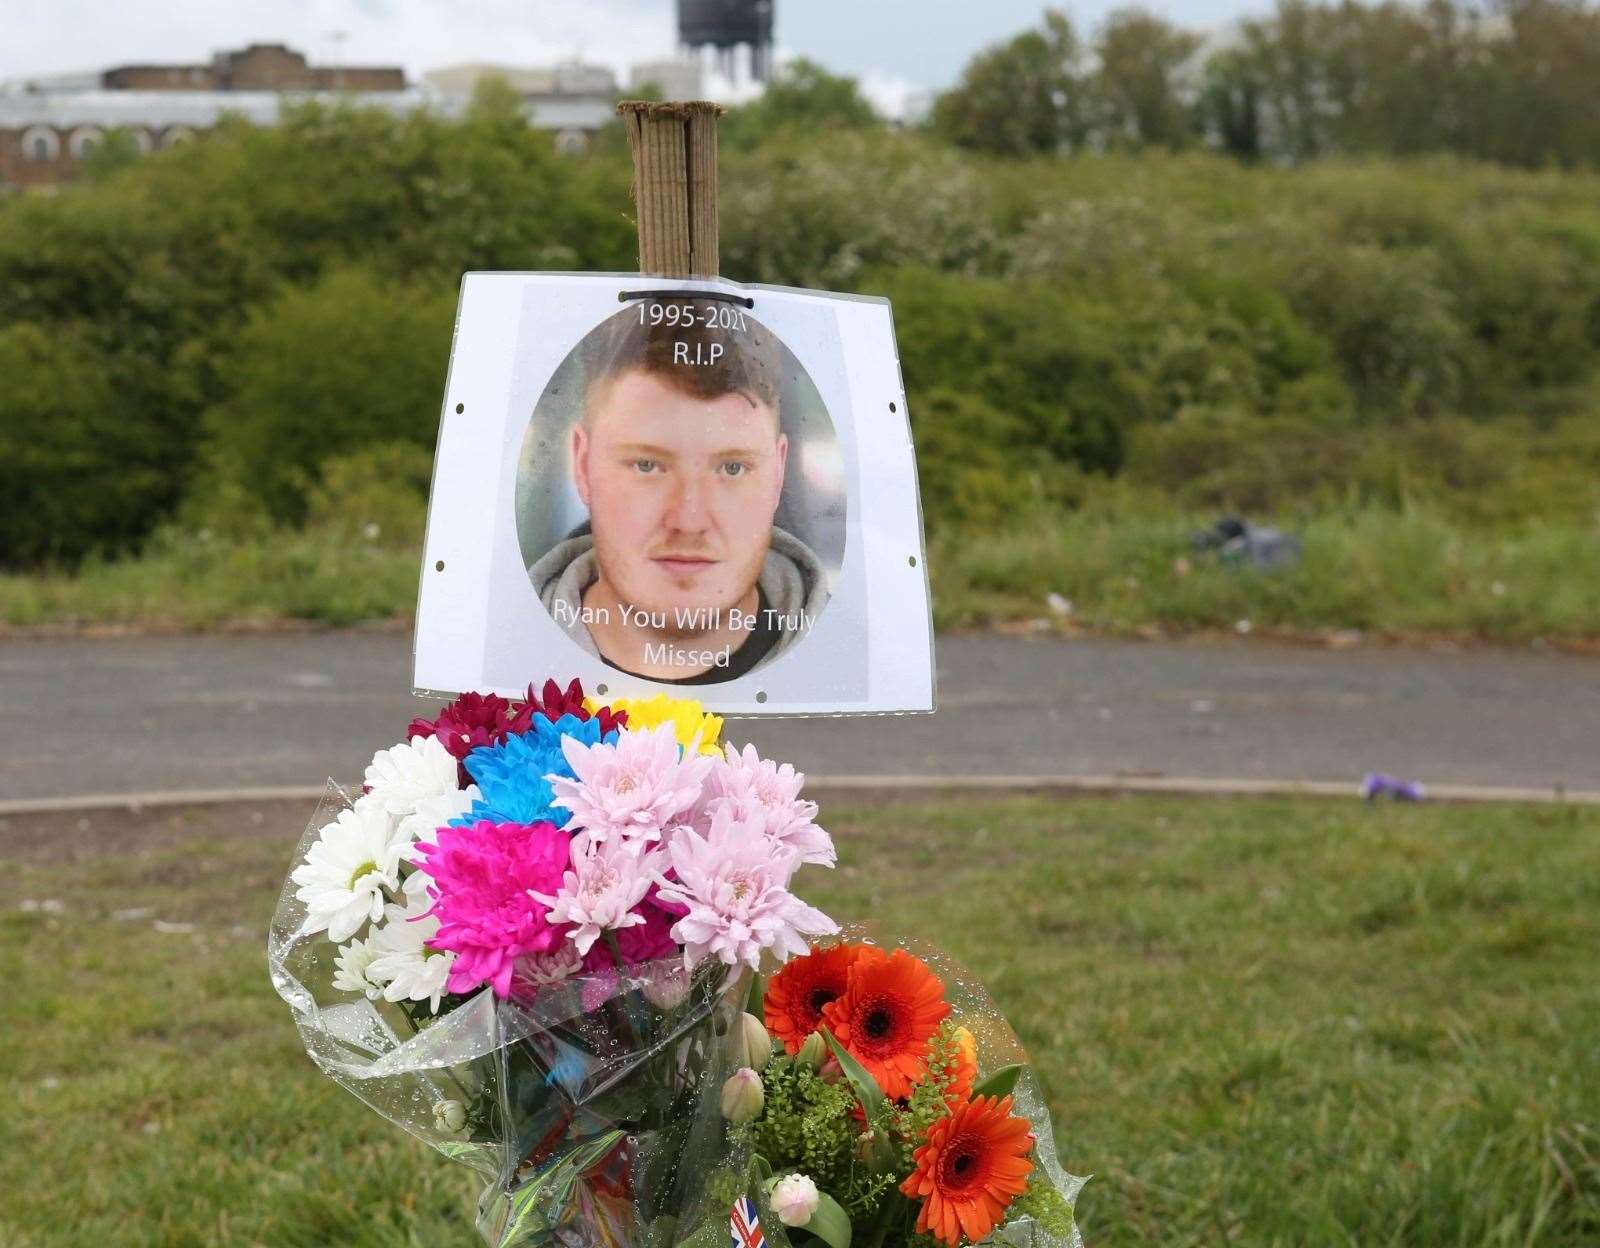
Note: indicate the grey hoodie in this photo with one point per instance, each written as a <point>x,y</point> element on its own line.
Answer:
<point>791,580</point>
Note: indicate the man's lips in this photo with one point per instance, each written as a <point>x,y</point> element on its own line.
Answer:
<point>683,563</point>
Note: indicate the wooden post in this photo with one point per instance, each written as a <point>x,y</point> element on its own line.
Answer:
<point>675,185</point>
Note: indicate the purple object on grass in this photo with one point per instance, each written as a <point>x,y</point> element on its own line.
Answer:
<point>1377,784</point>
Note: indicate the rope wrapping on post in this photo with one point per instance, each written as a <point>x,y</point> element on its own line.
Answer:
<point>675,185</point>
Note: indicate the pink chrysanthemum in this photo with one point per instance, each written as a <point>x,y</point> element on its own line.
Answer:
<point>482,874</point>
<point>748,787</point>
<point>735,882</point>
<point>598,894</point>
<point>634,790</point>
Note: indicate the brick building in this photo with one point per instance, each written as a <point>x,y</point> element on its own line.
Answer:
<point>259,67</point>
<point>48,125</point>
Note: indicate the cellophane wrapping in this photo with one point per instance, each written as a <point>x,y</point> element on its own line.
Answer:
<point>588,1107</point>
<point>997,1048</point>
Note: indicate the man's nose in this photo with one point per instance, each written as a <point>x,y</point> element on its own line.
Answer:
<point>687,509</point>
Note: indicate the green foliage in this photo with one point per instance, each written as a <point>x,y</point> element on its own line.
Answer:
<point>1044,1204</point>
<point>1139,58</point>
<point>1024,97</point>
<point>806,1127</point>
<point>76,472</point>
<point>146,275</point>
<point>373,493</point>
<point>232,338</point>
<point>115,152</point>
<point>346,363</point>
<point>1512,83</point>
<point>1044,358</point>
<point>802,96</point>
<point>1509,82</point>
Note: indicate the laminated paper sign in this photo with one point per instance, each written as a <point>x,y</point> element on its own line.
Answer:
<point>686,487</point>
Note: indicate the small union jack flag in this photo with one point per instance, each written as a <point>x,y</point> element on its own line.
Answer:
<point>746,1225</point>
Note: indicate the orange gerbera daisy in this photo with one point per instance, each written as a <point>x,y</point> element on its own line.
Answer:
<point>796,994</point>
<point>973,1165</point>
<point>891,1008</point>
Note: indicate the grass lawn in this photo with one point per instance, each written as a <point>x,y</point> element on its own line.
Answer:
<point>1387,573</point>
<point>1266,1023</point>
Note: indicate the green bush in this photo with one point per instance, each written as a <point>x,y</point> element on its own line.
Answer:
<point>237,310</point>
<point>148,272</point>
<point>79,471</point>
<point>376,493</point>
<point>351,362</point>
<point>1046,360</point>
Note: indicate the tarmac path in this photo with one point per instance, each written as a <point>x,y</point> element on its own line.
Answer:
<point>153,714</point>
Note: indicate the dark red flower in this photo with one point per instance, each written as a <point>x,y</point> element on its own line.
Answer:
<point>476,719</point>
<point>472,720</point>
<point>553,702</point>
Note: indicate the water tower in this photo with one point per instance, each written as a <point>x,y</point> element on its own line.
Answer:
<point>727,26</point>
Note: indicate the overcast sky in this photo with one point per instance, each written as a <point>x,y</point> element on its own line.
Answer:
<point>890,44</point>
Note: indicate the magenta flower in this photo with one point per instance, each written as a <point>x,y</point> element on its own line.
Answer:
<point>647,942</point>
<point>749,787</point>
<point>735,882</point>
<point>633,790</point>
<point>482,876</point>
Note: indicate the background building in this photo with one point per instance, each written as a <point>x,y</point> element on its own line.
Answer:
<point>572,99</point>
<point>49,125</point>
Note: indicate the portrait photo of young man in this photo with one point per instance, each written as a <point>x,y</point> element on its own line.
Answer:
<point>679,456</point>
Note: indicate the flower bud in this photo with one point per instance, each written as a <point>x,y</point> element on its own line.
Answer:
<point>813,1052</point>
<point>753,1046</point>
<point>743,1097</point>
<point>831,1071</point>
<point>666,985</point>
<point>449,1116</point>
<point>795,1199</point>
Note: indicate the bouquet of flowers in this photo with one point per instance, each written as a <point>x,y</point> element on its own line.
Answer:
<point>897,1111</point>
<point>535,941</point>
<point>530,939</point>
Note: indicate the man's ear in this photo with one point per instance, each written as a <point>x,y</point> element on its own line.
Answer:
<point>579,448</point>
<point>783,463</point>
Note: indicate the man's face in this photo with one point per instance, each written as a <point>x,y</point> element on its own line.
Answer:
<point>681,492</point>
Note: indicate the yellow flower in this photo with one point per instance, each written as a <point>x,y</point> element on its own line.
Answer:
<point>969,1045</point>
<point>694,727</point>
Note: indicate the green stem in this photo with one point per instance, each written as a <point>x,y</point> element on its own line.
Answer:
<point>466,1097</point>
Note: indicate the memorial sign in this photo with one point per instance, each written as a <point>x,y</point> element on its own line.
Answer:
<point>685,486</point>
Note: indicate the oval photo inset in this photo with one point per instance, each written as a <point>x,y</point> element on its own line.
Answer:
<point>680,494</point>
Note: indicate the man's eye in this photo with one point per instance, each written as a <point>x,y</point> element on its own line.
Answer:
<point>735,468</point>
<point>646,465</point>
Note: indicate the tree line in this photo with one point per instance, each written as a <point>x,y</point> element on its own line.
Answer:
<point>1512,81</point>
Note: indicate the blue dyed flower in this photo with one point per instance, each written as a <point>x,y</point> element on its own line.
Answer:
<point>511,775</point>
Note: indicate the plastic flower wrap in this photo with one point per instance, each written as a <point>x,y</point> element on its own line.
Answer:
<point>533,939</point>
<point>898,1111</point>
<point>529,941</point>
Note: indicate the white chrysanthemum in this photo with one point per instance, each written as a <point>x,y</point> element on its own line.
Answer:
<point>416,884</point>
<point>409,774</point>
<point>408,969</point>
<point>351,969</point>
<point>349,871</point>
<point>432,813</point>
